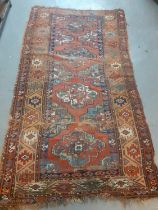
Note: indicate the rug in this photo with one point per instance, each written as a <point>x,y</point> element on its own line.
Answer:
<point>77,127</point>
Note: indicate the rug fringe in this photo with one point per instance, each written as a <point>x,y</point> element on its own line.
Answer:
<point>124,201</point>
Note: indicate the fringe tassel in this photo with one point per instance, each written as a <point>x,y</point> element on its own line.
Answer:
<point>125,202</point>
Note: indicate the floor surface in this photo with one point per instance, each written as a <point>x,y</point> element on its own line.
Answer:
<point>142,19</point>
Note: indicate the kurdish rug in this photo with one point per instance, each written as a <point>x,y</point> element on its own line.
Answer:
<point>77,127</point>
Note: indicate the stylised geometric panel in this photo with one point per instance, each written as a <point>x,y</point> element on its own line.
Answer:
<point>31,117</point>
<point>90,35</point>
<point>24,157</point>
<point>79,149</point>
<point>35,100</point>
<point>30,136</point>
<point>125,114</point>
<point>77,95</point>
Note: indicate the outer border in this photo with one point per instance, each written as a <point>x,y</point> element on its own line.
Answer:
<point>136,104</point>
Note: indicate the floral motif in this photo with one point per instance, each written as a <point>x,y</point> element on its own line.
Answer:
<point>133,151</point>
<point>126,132</point>
<point>25,156</point>
<point>146,142</point>
<point>116,65</point>
<point>12,147</point>
<point>62,38</point>
<point>120,101</point>
<point>125,114</point>
<point>109,17</point>
<point>36,62</point>
<point>36,187</point>
<point>90,38</point>
<point>30,136</point>
<point>35,101</point>
<point>120,183</point>
<point>44,15</point>
<point>30,117</point>
<point>132,170</point>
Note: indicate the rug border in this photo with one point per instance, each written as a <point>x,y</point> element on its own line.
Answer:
<point>135,88</point>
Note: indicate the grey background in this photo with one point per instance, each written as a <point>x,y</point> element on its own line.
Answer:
<point>142,19</point>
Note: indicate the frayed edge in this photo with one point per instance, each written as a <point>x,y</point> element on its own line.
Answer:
<point>124,201</point>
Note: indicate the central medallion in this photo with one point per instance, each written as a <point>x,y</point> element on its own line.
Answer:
<point>80,148</point>
<point>77,95</point>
